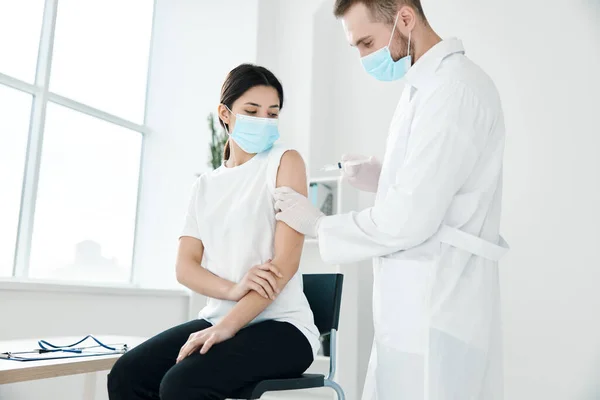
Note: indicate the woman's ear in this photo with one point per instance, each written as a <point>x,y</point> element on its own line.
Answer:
<point>224,113</point>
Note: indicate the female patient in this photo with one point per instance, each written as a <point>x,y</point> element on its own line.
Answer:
<point>257,323</point>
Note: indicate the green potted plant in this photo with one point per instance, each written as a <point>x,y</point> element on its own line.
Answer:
<point>217,143</point>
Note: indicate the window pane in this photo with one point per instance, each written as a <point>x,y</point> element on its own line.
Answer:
<point>20,29</point>
<point>101,54</point>
<point>14,127</point>
<point>87,195</point>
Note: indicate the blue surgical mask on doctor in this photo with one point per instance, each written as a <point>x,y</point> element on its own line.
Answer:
<point>254,134</point>
<point>382,66</point>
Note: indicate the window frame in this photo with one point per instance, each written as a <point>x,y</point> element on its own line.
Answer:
<point>41,96</point>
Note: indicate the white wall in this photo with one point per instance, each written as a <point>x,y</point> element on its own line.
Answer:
<point>548,79</point>
<point>322,102</point>
<point>285,44</point>
<point>544,57</point>
<point>195,45</point>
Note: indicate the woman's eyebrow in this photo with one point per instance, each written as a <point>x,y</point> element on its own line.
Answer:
<point>258,105</point>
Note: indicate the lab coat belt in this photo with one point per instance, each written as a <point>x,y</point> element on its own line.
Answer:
<point>473,244</point>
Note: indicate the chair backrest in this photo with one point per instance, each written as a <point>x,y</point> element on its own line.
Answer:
<point>324,295</point>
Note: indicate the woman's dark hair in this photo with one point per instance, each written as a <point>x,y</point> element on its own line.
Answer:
<point>241,79</point>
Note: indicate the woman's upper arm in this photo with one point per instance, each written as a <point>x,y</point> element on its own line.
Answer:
<point>288,242</point>
<point>189,256</point>
<point>292,172</point>
<point>191,249</point>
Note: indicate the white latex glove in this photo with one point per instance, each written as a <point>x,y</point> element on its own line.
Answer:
<point>297,211</point>
<point>361,172</point>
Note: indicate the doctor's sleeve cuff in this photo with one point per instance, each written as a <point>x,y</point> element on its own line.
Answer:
<point>346,238</point>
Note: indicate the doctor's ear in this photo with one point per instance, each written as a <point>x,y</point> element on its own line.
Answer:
<point>407,19</point>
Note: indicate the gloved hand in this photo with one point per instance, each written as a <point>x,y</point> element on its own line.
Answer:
<point>297,211</point>
<point>361,172</point>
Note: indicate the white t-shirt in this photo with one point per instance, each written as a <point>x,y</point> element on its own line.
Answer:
<point>232,212</point>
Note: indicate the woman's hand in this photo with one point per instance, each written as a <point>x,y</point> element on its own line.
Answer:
<point>260,278</point>
<point>205,339</point>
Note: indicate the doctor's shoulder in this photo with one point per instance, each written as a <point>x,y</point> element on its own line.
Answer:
<point>462,96</point>
<point>470,107</point>
<point>469,79</point>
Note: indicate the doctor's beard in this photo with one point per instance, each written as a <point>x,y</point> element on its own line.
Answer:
<point>400,45</point>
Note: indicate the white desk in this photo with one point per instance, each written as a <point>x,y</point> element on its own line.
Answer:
<point>21,371</point>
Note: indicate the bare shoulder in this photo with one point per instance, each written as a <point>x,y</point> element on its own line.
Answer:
<point>292,172</point>
<point>291,159</point>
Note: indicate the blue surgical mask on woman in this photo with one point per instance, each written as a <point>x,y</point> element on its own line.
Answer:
<point>254,134</point>
<point>382,66</point>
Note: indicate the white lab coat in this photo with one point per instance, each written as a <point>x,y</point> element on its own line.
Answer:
<point>434,237</point>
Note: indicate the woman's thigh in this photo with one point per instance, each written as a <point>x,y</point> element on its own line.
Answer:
<point>138,373</point>
<point>266,350</point>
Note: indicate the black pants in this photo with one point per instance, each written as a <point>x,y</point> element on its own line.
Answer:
<point>265,350</point>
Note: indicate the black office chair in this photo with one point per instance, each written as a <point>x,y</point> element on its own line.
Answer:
<point>324,294</point>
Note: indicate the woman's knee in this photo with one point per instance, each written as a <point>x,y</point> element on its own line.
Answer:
<point>121,378</point>
<point>173,386</point>
<point>115,380</point>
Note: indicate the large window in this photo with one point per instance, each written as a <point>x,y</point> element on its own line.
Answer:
<point>72,99</point>
<point>20,27</point>
<point>14,126</point>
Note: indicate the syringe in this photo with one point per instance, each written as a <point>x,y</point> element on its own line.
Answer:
<point>338,165</point>
<point>332,167</point>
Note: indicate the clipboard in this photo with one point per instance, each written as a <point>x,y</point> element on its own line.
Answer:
<point>49,351</point>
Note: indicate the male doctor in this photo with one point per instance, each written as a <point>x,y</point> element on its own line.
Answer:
<point>433,233</point>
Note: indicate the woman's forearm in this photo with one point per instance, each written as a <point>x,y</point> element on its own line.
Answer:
<point>252,304</point>
<point>248,308</point>
<point>202,281</point>
<point>192,275</point>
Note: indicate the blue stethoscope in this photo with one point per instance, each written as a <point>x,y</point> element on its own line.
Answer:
<point>47,347</point>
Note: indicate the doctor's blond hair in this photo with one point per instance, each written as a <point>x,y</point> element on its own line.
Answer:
<point>381,10</point>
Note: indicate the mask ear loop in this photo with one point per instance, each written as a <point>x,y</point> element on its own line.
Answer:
<point>408,50</point>
<point>227,130</point>
<point>393,29</point>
